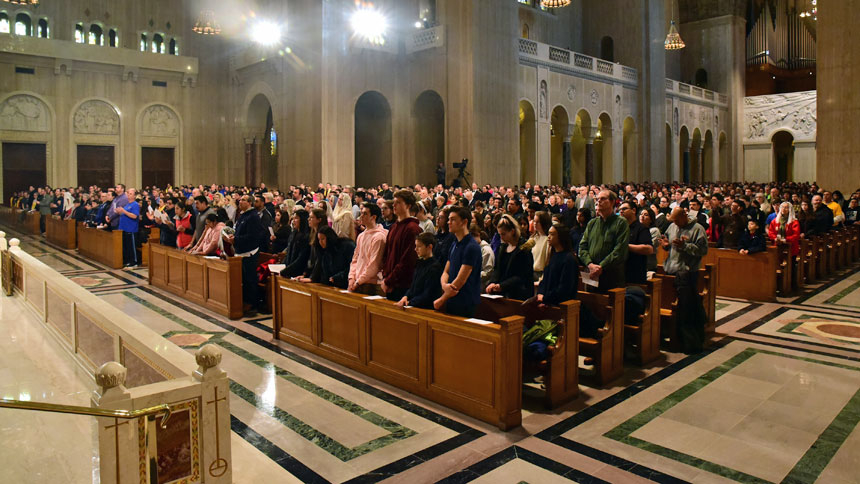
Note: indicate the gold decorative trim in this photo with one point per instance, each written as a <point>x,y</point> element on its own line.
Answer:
<point>146,360</point>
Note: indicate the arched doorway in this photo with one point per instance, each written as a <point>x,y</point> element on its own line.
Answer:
<point>670,167</point>
<point>558,135</point>
<point>783,155</point>
<point>603,150</point>
<point>579,148</point>
<point>724,157</point>
<point>696,157</point>
<point>631,163</point>
<point>429,137</point>
<point>528,143</point>
<point>708,158</point>
<point>372,140</point>
<point>685,154</point>
<point>607,49</point>
<point>261,148</point>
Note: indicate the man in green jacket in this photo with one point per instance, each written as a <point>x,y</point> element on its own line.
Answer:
<point>45,208</point>
<point>603,249</point>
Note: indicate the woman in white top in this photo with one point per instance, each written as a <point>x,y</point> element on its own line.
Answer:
<point>541,250</point>
<point>423,221</point>
<point>343,222</point>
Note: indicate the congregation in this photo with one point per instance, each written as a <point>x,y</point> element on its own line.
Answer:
<point>442,247</point>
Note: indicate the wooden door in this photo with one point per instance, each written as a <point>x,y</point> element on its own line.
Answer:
<point>24,164</point>
<point>95,166</point>
<point>157,167</point>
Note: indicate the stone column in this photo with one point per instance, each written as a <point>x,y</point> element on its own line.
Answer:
<point>118,438</point>
<point>589,160</point>
<point>700,164</point>
<point>685,172</point>
<point>565,156</point>
<point>214,416</point>
<point>652,87</point>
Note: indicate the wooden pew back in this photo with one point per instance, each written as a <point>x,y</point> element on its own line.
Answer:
<point>469,366</point>
<point>607,349</point>
<point>646,333</point>
<point>62,233</point>
<point>100,245</point>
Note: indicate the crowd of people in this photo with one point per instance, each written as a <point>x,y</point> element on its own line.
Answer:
<point>441,247</point>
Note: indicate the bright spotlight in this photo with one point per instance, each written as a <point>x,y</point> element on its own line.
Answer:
<point>370,24</point>
<point>266,33</point>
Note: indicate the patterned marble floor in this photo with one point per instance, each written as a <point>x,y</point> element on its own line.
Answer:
<point>773,399</point>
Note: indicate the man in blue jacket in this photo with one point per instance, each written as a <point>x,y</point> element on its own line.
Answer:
<point>128,221</point>
<point>246,243</point>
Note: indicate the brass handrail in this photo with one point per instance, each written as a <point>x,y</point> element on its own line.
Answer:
<point>93,412</point>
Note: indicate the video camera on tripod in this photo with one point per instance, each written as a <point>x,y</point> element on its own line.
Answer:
<point>462,175</point>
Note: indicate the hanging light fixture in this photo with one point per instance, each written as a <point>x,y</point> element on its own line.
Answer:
<point>23,2</point>
<point>206,24</point>
<point>673,38</point>
<point>554,3</point>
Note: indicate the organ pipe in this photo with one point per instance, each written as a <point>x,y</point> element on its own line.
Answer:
<point>786,43</point>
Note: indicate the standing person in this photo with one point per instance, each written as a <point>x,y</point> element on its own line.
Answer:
<point>541,249</point>
<point>822,217</point>
<point>45,203</point>
<point>246,243</point>
<point>280,231</point>
<point>603,248</point>
<point>461,279</point>
<point>639,247</point>
<point>440,174</point>
<point>444,238</point>
<point>488,257</point>
<point>120,199</point>
<point>646,218</point>
<point>400,257</point>
<point>561,276</point>
<point>129,225</point>
<point>426,286</point>
<point>785,228</point>
<point>733,226</point>
<point>181,225</point>
<point>298,249</point>
<point>687,244</point>
<point>369,252</point>
<point>343,222</point>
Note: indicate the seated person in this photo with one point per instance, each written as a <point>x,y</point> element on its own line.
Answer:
<point>513,274</point>
<point>334,255</point>
<point>298,249</point>
<point>208,243</point>
<point>752,240</point>
<point>426,286</point>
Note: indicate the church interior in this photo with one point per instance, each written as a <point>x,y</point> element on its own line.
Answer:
<point>117,374</point>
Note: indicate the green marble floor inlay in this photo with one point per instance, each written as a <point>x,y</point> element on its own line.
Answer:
<point>848,290</point>
<point>806,470</point>
<point>791,327</point>
<point>718,306</point>
<point>396,432</point>
<point>63,261</point>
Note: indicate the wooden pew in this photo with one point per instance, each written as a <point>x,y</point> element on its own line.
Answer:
<point>855,242</point>
<point>266,287</point>
<point>801,267</point>
<point>842,244</point>
<point>751,276</point>
<point>472,367</point>
<point>561,369</point>
<point>784,269</point>
<point>213,283</point>
<point>10,216</point>
<point>31,223</point>
<point>61,232</point>
<point>645,335</point>
<point>607,349</point>
<point>154,236</point>
<point>100,245</point>
<point>829,253</point>
<point>669,304</point>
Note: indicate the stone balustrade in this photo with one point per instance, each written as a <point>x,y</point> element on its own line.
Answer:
<point>576,63</point>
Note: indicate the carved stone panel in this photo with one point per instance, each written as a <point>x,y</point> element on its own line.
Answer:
<point>763,115</point>
<point>23,112</point>
<point>159,120</point>
<point>96,117</point>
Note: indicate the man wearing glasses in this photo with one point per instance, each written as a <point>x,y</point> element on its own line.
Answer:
<point>603,249</point>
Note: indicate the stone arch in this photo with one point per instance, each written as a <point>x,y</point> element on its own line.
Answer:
<point>528,141</point>
<point>94,129</point>
<point>373,139</point>
<point>27,117</point>
<point>583,136</point>
<point>607,49</point>
<point>782,142</point>
<point>159,125</point>
<point>429,118</point>
<point>261,161</point>
<point>559,145</point>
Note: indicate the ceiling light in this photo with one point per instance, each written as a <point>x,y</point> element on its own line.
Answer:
<point>23,2</point>
<point>554,3</point>
<point>369,24</point>
<point>206,24</point>
<point>266,33</point>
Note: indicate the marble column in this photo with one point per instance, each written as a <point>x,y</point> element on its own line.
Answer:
<point>700,164</point>
<point>589,161</point>
<point>685,175</point>
<point>565,156</point>
<point>652,88</point>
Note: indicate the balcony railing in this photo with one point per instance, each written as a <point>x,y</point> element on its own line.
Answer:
<point>686,90</point>
<point>554,56</point>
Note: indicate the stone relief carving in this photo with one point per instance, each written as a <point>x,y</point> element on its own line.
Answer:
<point>543,100</point>
<point>594,96</point>
<point>571,92</point>
<point>676,122</point>
<point>765,114</point>
<point>96,117</point>
<point>23,112</point>
<point>159,120</point>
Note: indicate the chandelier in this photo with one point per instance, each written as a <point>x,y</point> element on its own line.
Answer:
<point>554,3</point>
<point>24,2</point>
<point>811,11</point>
<point>206,24</point>
<point>673,39</point>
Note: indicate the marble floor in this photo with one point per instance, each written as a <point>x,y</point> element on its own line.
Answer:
<point>775,398</point>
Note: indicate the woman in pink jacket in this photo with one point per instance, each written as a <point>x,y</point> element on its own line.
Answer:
<point>208,243</point>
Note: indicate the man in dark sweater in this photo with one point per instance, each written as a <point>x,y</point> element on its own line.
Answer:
<point>426,285</point>
<point>398,267</point>
<point>639,247</point>
<point>246,242</point>
<point>461,279</point>
<point>822,218</point>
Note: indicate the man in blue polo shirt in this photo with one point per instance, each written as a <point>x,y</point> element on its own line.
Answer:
<point>129,225</point>
<point>461,296</point>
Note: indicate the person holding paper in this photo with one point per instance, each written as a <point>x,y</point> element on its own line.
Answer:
<point>512,276</point>
<point>603,248</point>
<point>208,243</point>
<point>461,296</point>
<point>426,286</point>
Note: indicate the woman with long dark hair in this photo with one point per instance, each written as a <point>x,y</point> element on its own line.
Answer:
<point>334,255</point>
<point>513,274</point>
<point>298,249</point>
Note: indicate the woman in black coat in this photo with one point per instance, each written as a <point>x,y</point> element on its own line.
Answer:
<point>561,275</point>
<point>298,248</point>
<point>513,274</point>
<point>334,254</point>
<point>281,232</point>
